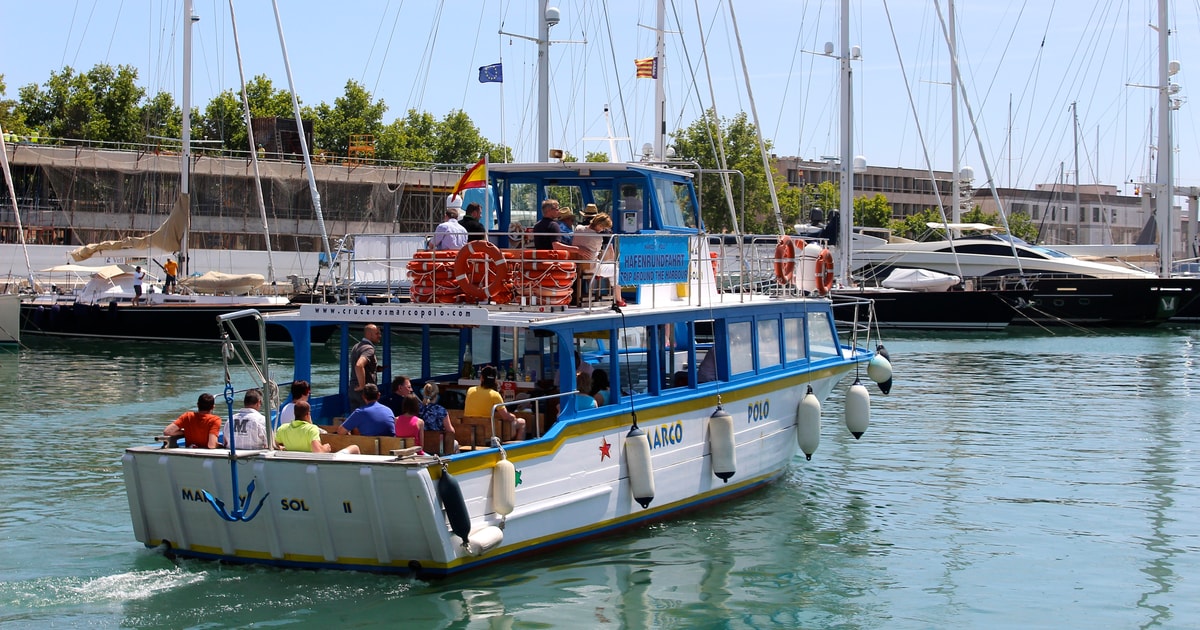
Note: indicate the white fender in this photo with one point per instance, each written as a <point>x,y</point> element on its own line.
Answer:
<point>504,487</point>
<point>808,423</point>
<point>484,539</point>
<point>721,443</point>
<point>879,369</point>
<point>858,409</point>
<point>641,471</point>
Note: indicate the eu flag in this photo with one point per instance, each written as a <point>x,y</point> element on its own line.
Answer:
<point>491,74</point>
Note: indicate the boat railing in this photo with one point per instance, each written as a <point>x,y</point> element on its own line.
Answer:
<point>657,268</point>
<point>536,401</point>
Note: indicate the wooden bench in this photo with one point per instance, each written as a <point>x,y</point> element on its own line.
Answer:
<point>477,431</point>
<point>367,445</point>
<point>389,444</point>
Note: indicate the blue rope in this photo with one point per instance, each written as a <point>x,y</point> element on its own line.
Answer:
<point>238,513</point>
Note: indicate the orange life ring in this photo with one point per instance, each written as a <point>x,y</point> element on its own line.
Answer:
<point>824,272</point>
<point>785,260</point>
<point>481,270</point>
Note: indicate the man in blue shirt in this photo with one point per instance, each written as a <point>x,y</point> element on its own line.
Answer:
<point>372,419</point>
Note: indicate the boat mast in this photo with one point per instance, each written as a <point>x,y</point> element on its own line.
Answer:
<point>1165,187</point>
<point>543,44</point>
<point>956,151</point>
<point>846,183</point>
<point>185,155</point>
<point>12,196</point>
<point>1075,135</point>
<point>262,206</point>
<point>660,98</point>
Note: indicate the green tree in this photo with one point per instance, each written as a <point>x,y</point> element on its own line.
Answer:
<point>695,142</point>
<point>872,211</point>
<point>101,104</point>
<point>1019,223</point>
<point>408,139</point>
<point>11,119</point>
<point>458,141</point>
<point>353,113</point>
<point>162,118</point>
<point>913,226</point>
<point>595,156</point>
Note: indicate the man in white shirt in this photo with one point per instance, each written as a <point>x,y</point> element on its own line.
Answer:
<point>249,427</point>
<point>138,277</point>
<point>449,234</point>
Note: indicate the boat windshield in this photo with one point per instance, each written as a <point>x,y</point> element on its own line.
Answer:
<point>1044,251</point>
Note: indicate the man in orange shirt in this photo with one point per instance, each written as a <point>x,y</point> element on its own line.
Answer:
<point>171,269</point>
<point>199,428</point>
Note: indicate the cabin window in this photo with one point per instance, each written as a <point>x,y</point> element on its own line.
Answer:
<point>524,208</point>
<point>822,342</point>
<point>675,200</point>
<point>741,348</point>
<point>768,343</point>
<point>567,197</point>
<point>793,338</point>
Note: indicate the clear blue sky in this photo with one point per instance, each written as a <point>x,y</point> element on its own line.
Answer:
<point>424,54</point>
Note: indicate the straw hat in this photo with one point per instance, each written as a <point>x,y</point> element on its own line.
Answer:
<point>590,210</point>
<point>565,213</point>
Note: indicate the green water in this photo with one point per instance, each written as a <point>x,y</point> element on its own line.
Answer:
<point>1009,480</point>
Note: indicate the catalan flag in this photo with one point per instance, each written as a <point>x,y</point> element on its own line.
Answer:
<point>475,177</point>
<point>647,68</point>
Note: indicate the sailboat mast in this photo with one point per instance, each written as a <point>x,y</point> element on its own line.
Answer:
<point>1075,136</point>
<point>956,151</point>
<point>660,98</point>
<point>543,68</point>
<point>1165,190</point>
<point>185,154</point>
<point>846,183</point>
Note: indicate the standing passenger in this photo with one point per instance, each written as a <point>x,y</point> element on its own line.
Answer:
<point>363,365</point>
<point>471,223</point>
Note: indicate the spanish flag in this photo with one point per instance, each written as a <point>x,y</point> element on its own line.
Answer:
<point>647,68</point>
<point>475,177</point>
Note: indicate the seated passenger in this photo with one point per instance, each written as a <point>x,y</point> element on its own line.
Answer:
<point>302,436</point>
<point>300,391</point>
<point>583,397</point>
<point>436,418</point>
<point>372,419</point>
<point>248,428</point>
<point>600,387</point>
<point>401,389</point>
<point>408,423</point>
<point>482,397</point>
<point>199,428</point>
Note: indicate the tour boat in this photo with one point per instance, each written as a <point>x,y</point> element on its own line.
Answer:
<point>711,394</point>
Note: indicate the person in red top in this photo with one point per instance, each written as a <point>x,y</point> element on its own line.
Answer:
<point>199,428</point>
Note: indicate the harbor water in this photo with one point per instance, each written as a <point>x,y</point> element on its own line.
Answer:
<point>1013,479</point>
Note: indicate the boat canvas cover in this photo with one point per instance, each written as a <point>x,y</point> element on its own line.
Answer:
<point>168,238</point>
<point>920,280</point>
<point>217,282</point>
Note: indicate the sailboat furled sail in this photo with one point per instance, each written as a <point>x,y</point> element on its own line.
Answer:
<point>167,238</point>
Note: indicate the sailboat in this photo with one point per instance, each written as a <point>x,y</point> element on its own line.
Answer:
<point>1065,290</point>
<point>105,307</point>
<point>919,305</point>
